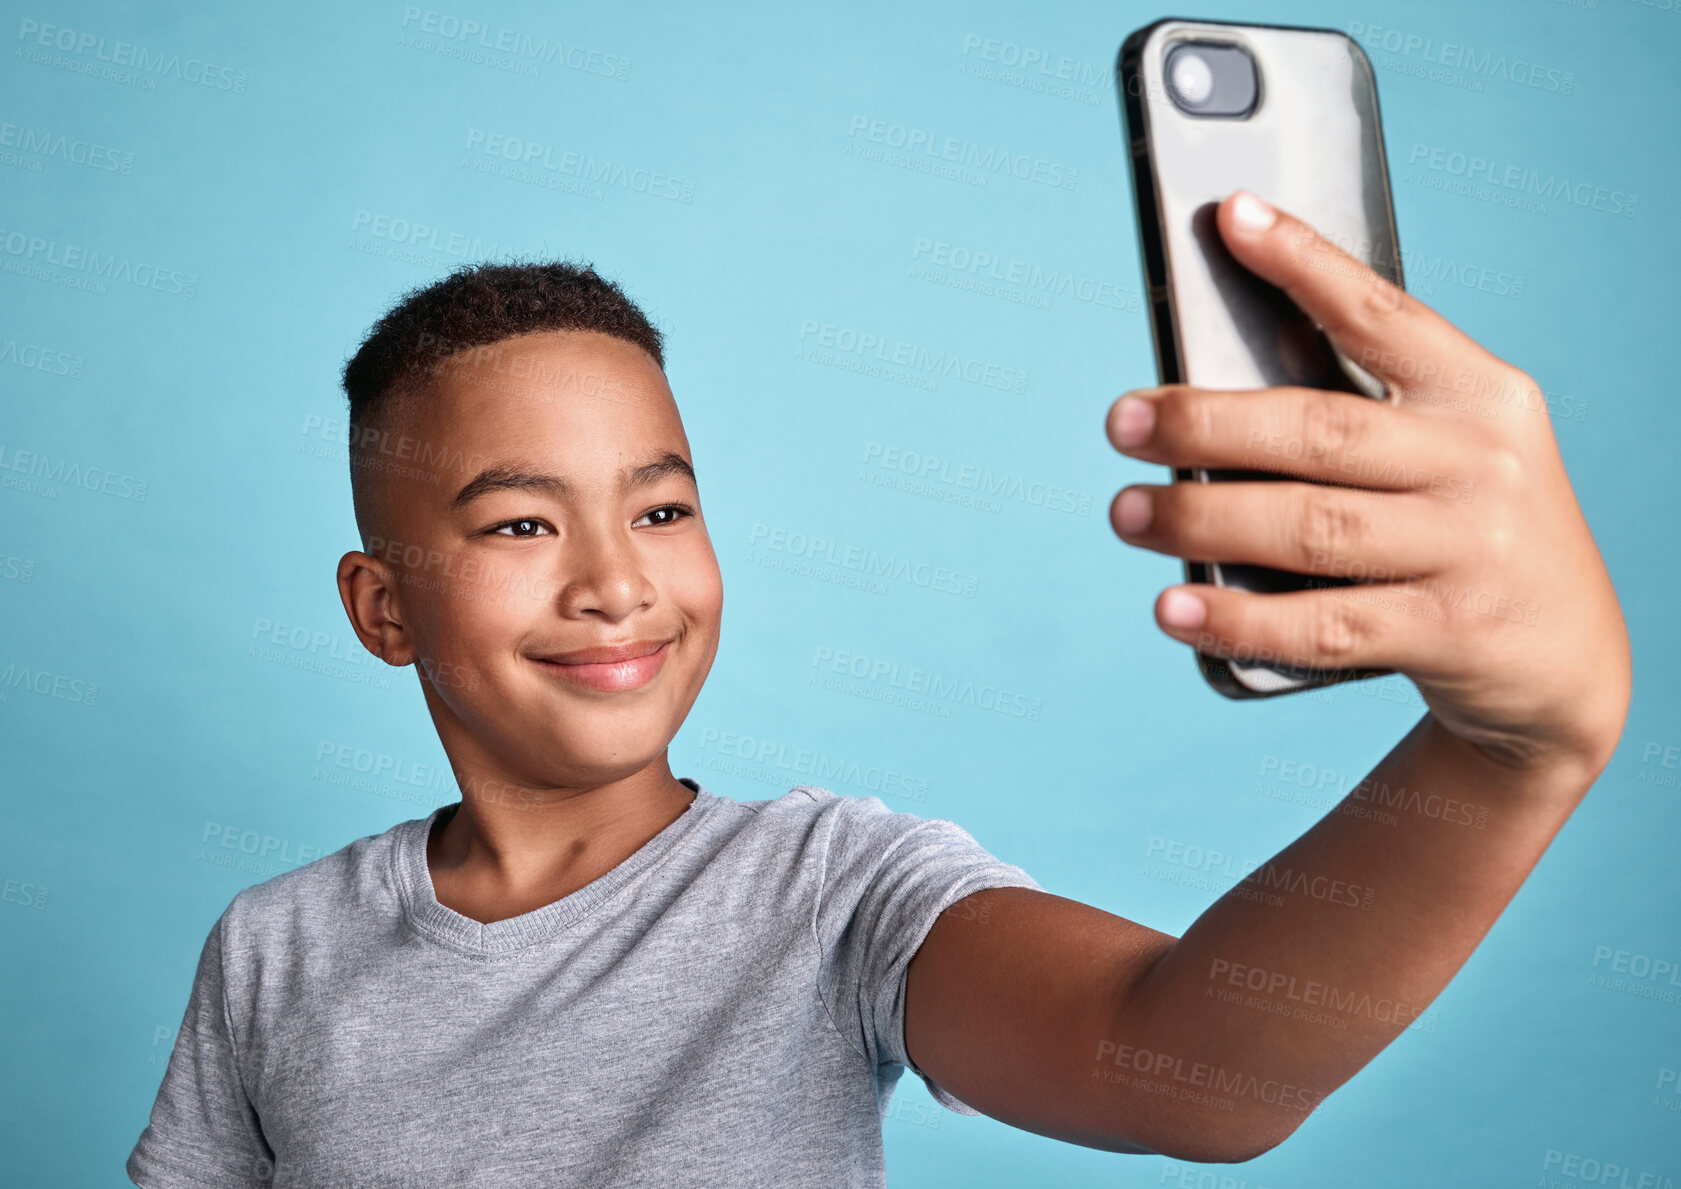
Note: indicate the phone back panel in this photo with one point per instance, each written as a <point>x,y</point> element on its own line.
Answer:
<point>1316,113</point>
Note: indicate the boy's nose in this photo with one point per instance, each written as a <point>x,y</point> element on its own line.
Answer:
<point>604,573</point>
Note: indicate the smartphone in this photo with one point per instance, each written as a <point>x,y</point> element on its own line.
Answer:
<point>1289,114</point>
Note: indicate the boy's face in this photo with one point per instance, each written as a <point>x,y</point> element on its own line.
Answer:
<point>519,538</point>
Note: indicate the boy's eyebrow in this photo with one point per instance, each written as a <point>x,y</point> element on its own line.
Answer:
<point>502,477</point>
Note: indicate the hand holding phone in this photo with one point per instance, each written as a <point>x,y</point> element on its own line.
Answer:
<point>1482,581</point>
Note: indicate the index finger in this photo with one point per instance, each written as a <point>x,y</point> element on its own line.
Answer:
<point>1374,322</point>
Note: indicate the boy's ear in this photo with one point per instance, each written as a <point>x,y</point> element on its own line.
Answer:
<point>368,589</point>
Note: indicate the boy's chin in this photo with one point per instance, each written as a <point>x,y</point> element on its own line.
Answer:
<point>588,760</point>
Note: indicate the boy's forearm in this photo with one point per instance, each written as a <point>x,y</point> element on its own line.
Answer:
<point>1300,974</point>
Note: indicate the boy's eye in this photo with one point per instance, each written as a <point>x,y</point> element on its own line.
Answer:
<point>529,527</point>
<point>671,514</point>
<point>519,527</point>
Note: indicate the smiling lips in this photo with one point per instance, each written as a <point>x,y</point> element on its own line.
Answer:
<point>615,667</point>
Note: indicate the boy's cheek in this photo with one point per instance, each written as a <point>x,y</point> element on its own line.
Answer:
<point>456,676</point>
<point>696,583</point>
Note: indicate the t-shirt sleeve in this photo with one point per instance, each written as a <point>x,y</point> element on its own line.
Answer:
<point>203,1129</point>
<point>887,877</point>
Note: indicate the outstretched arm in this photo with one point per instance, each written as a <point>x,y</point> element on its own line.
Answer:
<point>1483,586</point>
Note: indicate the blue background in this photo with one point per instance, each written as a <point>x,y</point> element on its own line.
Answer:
<point>288,191</point>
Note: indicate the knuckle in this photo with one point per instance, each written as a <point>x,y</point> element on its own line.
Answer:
<point>1498,542</point>
<point>1522,381</point>
<point>1371,309</point>
<point>1516,389</point>
<point>1327,526</point>
<point>1380,301</point>
<point>1182,512</point>
<point>1337,630</point>
<point>1183,418</point>
<point>1497,522</point>
<point>1330,423</point>
<point>1505,469</point>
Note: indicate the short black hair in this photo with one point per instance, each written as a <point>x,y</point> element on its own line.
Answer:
<point>475,306</point>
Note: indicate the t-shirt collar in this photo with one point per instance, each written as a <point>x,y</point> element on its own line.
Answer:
<point>420,901</point>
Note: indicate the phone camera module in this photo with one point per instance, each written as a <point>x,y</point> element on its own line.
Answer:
<point>1191,79</point>
<point>1207,78</point>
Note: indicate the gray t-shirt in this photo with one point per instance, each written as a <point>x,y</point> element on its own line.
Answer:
<point>724,1007</point>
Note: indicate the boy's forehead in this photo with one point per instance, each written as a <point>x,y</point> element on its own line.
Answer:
<point>552,366</point>
<point>569,397</point>
<point>576,380</point>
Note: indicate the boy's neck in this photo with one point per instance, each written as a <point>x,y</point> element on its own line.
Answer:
<point>492,859</point>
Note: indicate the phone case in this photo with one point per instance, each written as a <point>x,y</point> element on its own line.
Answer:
<point>1313,145</point>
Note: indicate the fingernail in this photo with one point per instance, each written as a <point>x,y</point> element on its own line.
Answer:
<point>1182,609</point>
<point>1137,418</point>
<point>1251,214</point>
<point>1134,510</point>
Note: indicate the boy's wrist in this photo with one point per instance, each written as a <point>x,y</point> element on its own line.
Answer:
<point>1557,779</point>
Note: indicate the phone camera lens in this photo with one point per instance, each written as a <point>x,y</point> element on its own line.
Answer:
<point>1211,80</point>
<point>1191,78</point>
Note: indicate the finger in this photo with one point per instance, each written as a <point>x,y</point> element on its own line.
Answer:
<point>1305,528</point>
<point>1378,324</point>
<point>1329,437</point>
<point>1351,627</point>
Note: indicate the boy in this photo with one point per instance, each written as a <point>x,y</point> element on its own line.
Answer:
<point>589,972</point>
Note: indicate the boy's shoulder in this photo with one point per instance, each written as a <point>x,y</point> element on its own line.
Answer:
<point>325,885</point>
<point>852,827</point>
<point>807,799</point>
<point>814,807</point>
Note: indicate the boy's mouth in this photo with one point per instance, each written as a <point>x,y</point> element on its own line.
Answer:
<point>611,666</point>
